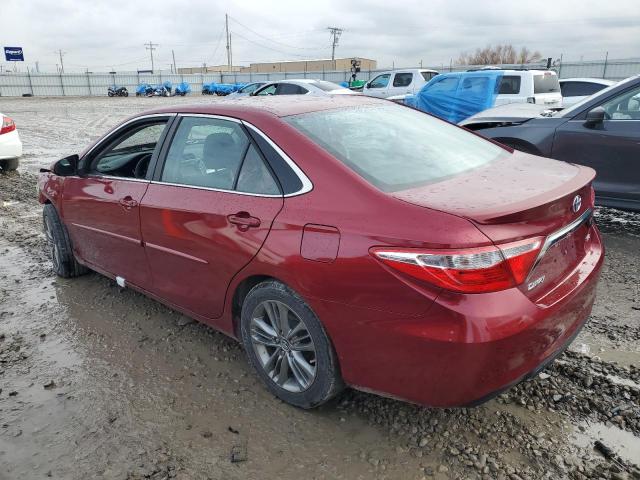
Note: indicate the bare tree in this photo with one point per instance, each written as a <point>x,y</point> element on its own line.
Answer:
<point>492,55</point>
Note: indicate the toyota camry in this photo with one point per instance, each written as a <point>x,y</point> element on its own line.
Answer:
<point>344,241</point>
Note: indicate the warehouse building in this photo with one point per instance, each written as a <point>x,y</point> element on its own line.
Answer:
<point>308,65</point>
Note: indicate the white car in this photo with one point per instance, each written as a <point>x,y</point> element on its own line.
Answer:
<point>575,90</point>
<point>10,144</point>
<point>302,86</point>
<point>398,82</point>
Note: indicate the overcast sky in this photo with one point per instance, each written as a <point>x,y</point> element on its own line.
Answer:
<point>100,34</point>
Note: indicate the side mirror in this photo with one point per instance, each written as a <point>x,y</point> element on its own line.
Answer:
<point>66,166</point>
<point>367,85</point>
<point>595,117</point>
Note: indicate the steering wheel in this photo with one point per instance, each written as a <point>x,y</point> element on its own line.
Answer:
<point>141,167</point>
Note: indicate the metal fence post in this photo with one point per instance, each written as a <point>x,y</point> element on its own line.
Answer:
<point>62,85</point>
<point>30,83</point>
<point>604,70</point>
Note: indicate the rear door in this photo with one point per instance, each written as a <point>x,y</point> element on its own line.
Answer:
<point>207,212</point>
<point>101,210</point>
<point>611,148</point>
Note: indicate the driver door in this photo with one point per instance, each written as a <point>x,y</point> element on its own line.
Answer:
<point>101,207</point>
<point>609,147</point>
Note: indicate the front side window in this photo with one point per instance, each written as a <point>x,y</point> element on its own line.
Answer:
<point>268,90</point>
<point>216,153</point>
<point>402,79</point>
<point>129,156</point>
<point>546,83</point>
<point>381,81</point>
<point>394,147</point>
<point>509,85</point>
<point>625,106</point>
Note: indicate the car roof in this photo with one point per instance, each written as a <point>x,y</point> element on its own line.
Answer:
<point>601,81</point>
<point>405,70</point>
<point>275,105</point>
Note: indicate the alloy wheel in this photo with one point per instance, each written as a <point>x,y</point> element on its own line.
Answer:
<point>283,345</point>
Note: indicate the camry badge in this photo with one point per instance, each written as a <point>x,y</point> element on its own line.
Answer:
<point>577,203</point>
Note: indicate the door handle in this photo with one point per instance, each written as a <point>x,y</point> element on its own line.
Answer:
<point>128,203</point>
<point>243,220</point>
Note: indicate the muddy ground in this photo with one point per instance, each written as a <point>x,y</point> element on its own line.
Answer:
<point>99,382</point>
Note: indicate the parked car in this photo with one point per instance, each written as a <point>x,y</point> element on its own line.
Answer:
<point>575,90</point>
<point>398,82</point>
<point>602,132</point>
<point>248,89</point>
<point>386,249</point>
<point>10,144</point>
<point>302,86</point>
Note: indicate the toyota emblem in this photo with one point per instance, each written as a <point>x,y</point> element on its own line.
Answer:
<point>577,203</point>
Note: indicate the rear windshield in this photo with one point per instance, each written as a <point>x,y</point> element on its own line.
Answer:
<point>547,83</point>
<point>326,86</point>
<point>394,147</point>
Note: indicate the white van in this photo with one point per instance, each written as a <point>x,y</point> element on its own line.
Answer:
<point>398,82</point>
<point>532,86</point>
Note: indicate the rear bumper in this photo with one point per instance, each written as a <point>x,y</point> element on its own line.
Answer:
<point>465,348</point>
<point>10,145</point>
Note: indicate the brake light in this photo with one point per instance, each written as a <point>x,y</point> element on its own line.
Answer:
<point>473,270</point>
<point>8,125</point>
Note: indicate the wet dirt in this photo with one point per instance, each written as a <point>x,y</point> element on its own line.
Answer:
<point>101,382</point>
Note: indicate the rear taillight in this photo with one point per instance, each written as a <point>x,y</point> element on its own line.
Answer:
<point>8,125</point>
<point>473,270</point>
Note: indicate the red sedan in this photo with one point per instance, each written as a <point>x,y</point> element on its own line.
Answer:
<point>343,241</point>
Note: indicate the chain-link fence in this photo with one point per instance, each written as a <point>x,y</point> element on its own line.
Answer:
<point>94,84</point>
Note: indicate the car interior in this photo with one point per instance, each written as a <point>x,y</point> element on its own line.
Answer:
<point>624,107</point>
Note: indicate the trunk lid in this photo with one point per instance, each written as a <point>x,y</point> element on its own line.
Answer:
<point>518,197</point>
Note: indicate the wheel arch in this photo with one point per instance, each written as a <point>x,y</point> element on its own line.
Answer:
<point>240,293</point>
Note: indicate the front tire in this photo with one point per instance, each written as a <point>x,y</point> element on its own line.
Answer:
<point>9,164</point>
<point>64,261</point>
<point>288,347</point>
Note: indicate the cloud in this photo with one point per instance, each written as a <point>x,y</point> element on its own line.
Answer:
<point>101,34</point>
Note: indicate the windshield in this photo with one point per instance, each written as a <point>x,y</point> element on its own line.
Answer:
<point>395,147</point>
<point>252,87</point>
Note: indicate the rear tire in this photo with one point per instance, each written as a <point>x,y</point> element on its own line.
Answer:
<point>9,164</point>
<point>64,261</point>
<point>296,338</point>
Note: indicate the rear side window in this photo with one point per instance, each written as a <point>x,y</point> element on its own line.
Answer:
<point>580,89</point>
<point>428,75</point>
<point>509,85</point>
<point>290,89</point>
<point>394,147</point>
<point>402,79</point>
<point>474,85</point>
<point>546,83</point>
<point>255,176</point>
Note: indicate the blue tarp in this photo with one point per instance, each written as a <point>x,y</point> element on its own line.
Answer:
<point>142,88</point>
<point>457,95</point>
<point>183,88</point>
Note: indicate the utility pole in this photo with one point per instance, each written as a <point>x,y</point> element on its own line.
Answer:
<point>61,53</point>
<point>335,33</point>
<point>226,28</point>
<point>151,47</point>
<point>173,54</point>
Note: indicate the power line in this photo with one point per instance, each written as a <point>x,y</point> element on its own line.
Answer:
<point>151,47</point>
<point>270,48</point>
<point>271,38</point>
